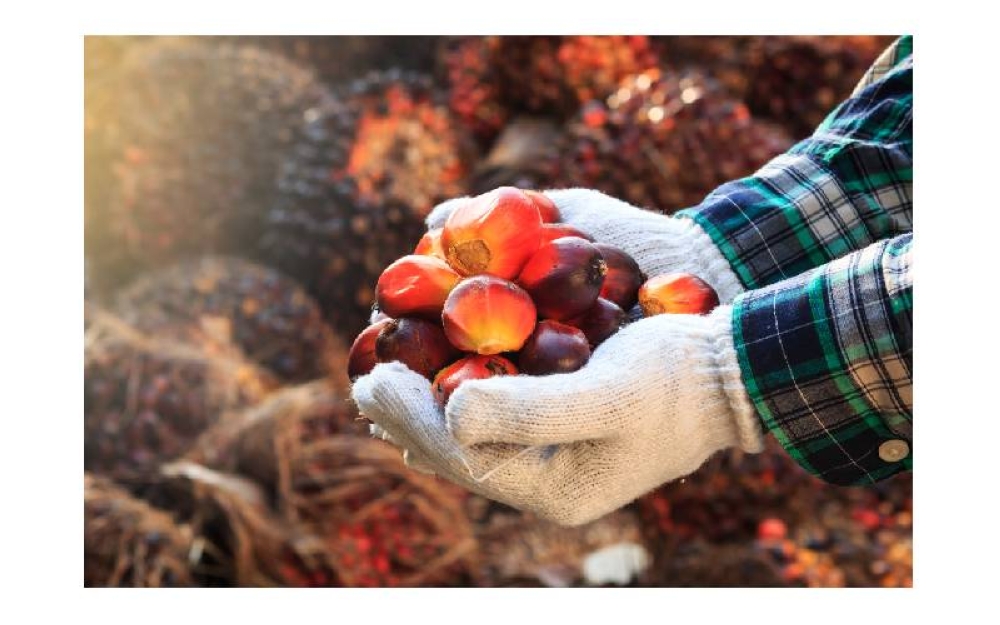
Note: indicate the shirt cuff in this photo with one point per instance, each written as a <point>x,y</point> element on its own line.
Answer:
<point>826,359</point>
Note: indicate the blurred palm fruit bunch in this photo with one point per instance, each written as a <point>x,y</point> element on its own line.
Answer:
<point>355,190</point>
<point>127,542</point>
<point>473,92</point>
<point>266,315</point>
<point>491,78</point>
<point>558,74</point>
<point>664,140</point>
<point>183,139</point>
<point>794,81</point>
<point>146,399</point>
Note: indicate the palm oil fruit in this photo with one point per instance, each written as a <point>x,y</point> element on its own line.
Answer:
<point>564,277</point>
<point>546,207</point>
<point>624,278</point>
<point>417,343</point>
<point>430,244</point>
<point>551,232</point>
<point>677,293</point>
<point>554,348</point>
<point>474,367</point>
<point>494,233</point>
<point>415,286</point>
<point>600,321</point>
<point>362,358</point>
<point>488,315</point>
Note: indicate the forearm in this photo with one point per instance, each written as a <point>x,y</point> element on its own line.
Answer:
<point>842,189</point>
<point>826,359</point>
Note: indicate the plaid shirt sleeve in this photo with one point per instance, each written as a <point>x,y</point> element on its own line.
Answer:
<point>820,237</point>
<point>826,358</point>
<point>838,191</point>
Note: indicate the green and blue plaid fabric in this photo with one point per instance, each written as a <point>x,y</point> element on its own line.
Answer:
<point>821,238</point>
<point>826,358</point>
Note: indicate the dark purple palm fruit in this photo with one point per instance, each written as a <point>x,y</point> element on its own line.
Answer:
<point>797,81</point>
<point>182,141</point>
<point>356,189</point>
<point>664,141</point>
<point>470,71</point>
<point>147,398</point>
<point>267,315</point>
<point>556,74</point>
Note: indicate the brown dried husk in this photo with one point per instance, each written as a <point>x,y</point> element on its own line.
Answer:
<point>127,542</point>
<point>308,449</point>
<point>383,523</point>
<point>247,442</point>
<point>243,542</point>
<point>146,399</point>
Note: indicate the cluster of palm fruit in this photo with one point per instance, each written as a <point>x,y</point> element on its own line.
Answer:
<point>243,194</point>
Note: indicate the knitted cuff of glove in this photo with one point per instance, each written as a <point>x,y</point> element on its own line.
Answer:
<point>711,265</point>
<point>750,435</point>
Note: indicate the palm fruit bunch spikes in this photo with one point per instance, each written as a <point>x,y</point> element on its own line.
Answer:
<point>269,317</point>
<point>664,140</point>
<point>127,542</point>
<point>357,187</point>
<point>382,523</point>
<point>556,74</point>
<point>146,399</point>
<point>183,138</point>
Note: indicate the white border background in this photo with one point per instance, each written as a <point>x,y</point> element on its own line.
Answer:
<point>41,244</point>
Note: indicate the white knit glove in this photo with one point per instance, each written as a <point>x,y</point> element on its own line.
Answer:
<point>652,404</point>
<point>658,243</point>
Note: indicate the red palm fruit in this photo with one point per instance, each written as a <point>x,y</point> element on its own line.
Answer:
<point>415,286</point>
<point>677,293</point>
<point>624,278</point>
<point>546,207</point>
<point>564,277</point>
<point>472,367</point>
<point>488,315</point>
<point>551,232</point>
<point>554,348</point>
<point>362,358</point>
<point>771,528</point>
<point>495,233</point>
<point>430,244</point>
<point>418,344</point>
<point>602,320</point>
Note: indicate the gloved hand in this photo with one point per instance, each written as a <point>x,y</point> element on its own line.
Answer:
<point>652,404</point>
<point>658,243</point>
